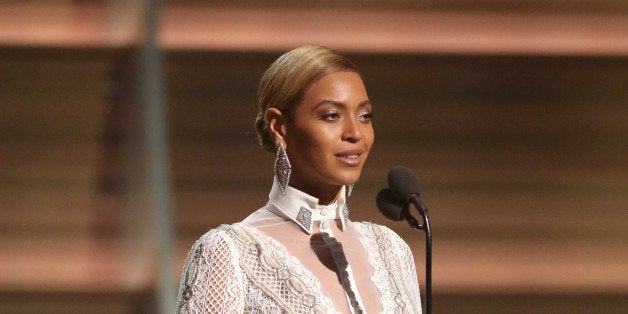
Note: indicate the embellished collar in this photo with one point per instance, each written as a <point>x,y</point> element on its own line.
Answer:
<point>304,209</point>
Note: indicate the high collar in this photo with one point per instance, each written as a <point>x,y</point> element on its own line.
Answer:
<point>304,209</point>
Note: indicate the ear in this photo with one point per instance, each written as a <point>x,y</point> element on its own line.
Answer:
<point>276,125</point>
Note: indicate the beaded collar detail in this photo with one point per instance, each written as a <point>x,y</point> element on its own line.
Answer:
<point>304,209</point>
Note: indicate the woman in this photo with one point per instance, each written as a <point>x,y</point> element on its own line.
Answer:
<point>300,253</point>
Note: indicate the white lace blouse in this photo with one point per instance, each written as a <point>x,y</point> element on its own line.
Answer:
<point>274,262</point>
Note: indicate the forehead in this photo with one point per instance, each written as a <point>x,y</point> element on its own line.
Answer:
<point>341,86</point>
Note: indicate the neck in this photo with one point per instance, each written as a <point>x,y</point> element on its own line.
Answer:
<point>326,194</point>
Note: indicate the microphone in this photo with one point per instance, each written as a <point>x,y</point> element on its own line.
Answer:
<point>406,186</point>
<point>393,208</point>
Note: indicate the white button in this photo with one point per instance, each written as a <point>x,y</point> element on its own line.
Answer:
<point>325,212</point>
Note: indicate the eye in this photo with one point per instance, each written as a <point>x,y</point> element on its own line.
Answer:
<point>331,115</point>
<point>366,116</point>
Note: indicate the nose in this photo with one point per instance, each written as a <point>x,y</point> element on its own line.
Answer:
<point>351,131</point>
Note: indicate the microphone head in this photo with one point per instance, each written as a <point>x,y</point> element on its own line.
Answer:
<point>390,205</point>
<point>403,182</point>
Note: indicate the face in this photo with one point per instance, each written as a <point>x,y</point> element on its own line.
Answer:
<point>329,134</point>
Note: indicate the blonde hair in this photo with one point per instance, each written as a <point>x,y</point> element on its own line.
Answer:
<point>286,80</point>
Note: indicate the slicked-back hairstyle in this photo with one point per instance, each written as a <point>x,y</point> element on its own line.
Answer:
<point>286,80</point>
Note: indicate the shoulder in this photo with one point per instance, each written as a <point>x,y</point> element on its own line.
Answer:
<point>207,245</point>
<point>224,241</point>
<point>216,236</point>
<point>224,235</point>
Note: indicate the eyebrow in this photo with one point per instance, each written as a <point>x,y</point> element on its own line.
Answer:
<point>341,104</point>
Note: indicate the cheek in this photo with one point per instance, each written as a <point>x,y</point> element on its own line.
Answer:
<point>310,145</point>
<point>320,138</point>
<point>323,144</point>
<point>368,137</point>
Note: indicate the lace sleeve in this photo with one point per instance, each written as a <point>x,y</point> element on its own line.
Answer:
<point>212,281</point>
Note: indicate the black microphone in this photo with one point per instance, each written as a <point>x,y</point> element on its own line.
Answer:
<point>393,208</point>
<point>403,182</point>
<point>406,186</point>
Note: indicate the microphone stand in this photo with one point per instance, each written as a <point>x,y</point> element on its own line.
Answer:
<point>428,250</point>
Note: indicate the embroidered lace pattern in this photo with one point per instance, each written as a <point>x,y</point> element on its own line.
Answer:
<point>238,269</point>
<point>394,271</point>
<point>259,276</point>
<point>210,283</point>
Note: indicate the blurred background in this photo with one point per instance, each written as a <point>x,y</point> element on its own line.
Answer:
<point>126,132</point>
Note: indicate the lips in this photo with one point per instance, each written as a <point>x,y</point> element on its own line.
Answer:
<point>350,157</point>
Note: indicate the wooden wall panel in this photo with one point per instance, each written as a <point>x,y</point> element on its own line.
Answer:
<point>52,105</point>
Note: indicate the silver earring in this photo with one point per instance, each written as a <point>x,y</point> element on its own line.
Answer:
<point>348,190</point>
<point>282,168</point>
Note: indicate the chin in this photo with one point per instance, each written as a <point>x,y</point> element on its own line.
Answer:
<point>350,179</point>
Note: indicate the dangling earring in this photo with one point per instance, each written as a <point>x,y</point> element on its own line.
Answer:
<point>282,168</point>
<point>348,190</point>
